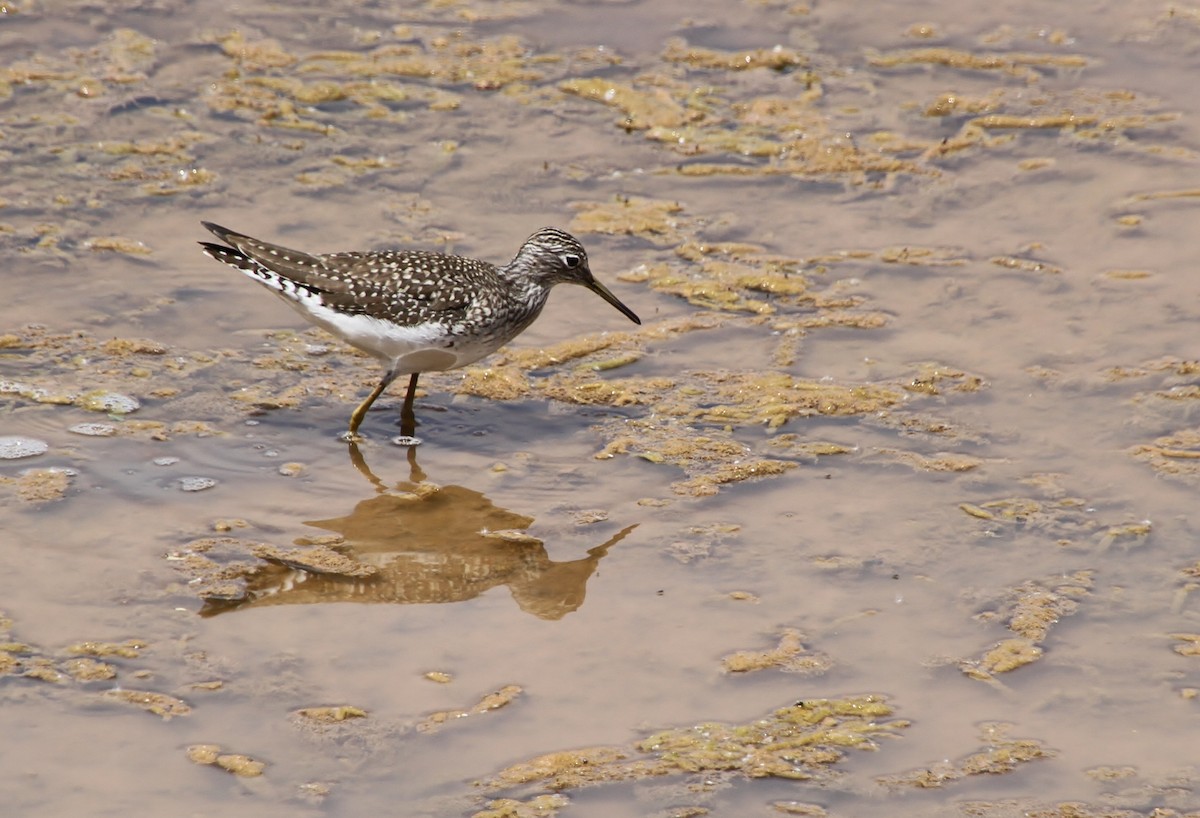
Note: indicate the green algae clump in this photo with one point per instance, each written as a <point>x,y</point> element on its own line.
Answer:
<point>798,742</point>
<point>1019,64</point>
<point>1000,755</point>
<point>777,58</point>
<point>656,220</point>
<point>790,655</point>
<point>332,715</point>
<point>160,704</point>
<point>644,108</point>
<point>774,398</point>
<point>37,486</point>
<point>129,649</point>
<point>540,806</point>
<point>240,765</point>
<point>1031,609</point>
<point>492,701</point>
<point>1175,455</point>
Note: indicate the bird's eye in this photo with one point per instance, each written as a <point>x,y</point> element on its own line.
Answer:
<point>571,261</point>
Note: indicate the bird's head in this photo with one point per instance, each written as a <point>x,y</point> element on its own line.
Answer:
<point>551,256</point>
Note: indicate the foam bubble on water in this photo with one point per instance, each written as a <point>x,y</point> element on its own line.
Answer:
<point>104,401</point>
<point>196,483</point>
<point>94,429</point>
<point>13,447</point>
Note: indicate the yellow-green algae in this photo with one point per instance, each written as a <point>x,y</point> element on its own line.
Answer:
<point>767,398</point>
<point>1178,603</point>
<point>701,541</point>
<point>1058,514</point>
<point>78,662</point>
<point>999,755</point>
<point>238,764</point>
<point>952,103</point>
<point>1083,114</point>
<point>1029,610</point>
<point>1174,455</point>
<point>774,398</point>
<point>319,559</point>
<point>546,805</point>
<point>84,669</point>
<point>1167,365</point>
<point>331,715</point>
<point>728,276</point>
<point>38,486</point>
<point>799,808</point>
<point>493,701</point>
<point>786,134</point>
<point>801,741</point>
<point>709,455</point>
<point>657,220</point>
<point>1185,193</point>
<point>726,285</point>
<point>790,655</point>
<point>1025,265</point>
<point>255,54</point>
<point>129,649</point>
<point>933,378</point>
<point>216,566</point>
<point>311,94</point>
<point>1079,809</point>
<point>777,58</point>
<point>1006,655</point>
<point>1189,644</point>
<point>1129,534</point>
<point>484,64</point>
<point>643,108</point>
<point>1020,64</point>
<point>934,463</point>
<point>709,459</point>
<point>118,244</point>
<point>159,704</point>
<point>266,82</point>
<point>121,59</point>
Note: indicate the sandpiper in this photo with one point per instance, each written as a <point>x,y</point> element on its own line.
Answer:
<point>415,311</point>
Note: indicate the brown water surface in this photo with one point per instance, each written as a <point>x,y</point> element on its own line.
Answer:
<point>903,458</point>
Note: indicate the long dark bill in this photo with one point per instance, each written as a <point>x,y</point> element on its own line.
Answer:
<point>602,291</point>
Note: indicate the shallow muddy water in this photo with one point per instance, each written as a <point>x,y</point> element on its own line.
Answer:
<point>888,505</point>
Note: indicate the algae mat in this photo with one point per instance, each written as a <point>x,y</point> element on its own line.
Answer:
<point>889,501</point>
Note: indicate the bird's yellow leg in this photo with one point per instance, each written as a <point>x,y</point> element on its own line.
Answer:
<point>356,419</point>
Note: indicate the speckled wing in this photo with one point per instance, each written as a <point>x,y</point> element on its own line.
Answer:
<point>407,287</point>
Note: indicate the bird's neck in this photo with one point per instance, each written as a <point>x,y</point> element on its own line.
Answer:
<point>529,290</point>
<point>523,280</point>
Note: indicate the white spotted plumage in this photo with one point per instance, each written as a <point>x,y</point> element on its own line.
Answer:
<point>414,310</point>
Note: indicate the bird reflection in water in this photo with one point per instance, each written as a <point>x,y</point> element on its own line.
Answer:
<point>415,544</point>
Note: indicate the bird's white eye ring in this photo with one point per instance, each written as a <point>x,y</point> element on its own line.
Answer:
<point>571,260</point>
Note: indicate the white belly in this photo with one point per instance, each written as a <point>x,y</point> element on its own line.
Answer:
<point>405,350</point>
